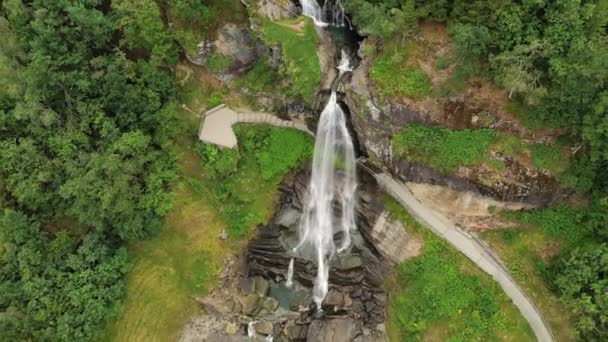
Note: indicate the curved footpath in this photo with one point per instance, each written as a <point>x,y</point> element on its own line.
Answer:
<point>216,128</point>
<point>470,246</point>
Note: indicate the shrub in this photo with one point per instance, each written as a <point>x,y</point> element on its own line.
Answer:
<point>239,181</point>
<point>261,78</point>
<point>559,222</point>
<point>471,41</point>
<point>549,158</point>
<point>217,164</point>
<point>444,149</point>
<point>393,79</point>
<point>284,151</point>
<point>218,62</point>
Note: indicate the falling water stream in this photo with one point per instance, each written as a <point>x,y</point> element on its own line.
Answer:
<point>329,212</point>
<point>331,13</point>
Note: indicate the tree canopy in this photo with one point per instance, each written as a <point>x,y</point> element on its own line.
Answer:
<point>87,119</point>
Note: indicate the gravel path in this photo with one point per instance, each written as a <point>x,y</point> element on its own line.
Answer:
<point>470,246</point>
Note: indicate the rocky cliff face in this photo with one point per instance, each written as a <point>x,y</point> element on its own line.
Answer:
<point>254,300</point>
<point>375,123</point>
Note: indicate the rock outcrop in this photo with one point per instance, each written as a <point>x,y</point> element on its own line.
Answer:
<point>252,298</point>
<point>375,123</point>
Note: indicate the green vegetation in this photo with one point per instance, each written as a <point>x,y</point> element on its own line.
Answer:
<point>298,39</point>
<point>218,62</point>
<point>550,56</point>
<point>261,78</point>
<point>265,151</point>
<point>394,77</point>
<point>552,253</point>
<point>549,158</point>
<point>443,149</point>
<point>196,20</point>
<point>87,125</point>
<point>73,284</point>
<point>442,286</point>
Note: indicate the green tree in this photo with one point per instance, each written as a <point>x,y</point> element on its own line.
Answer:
<point>51,293</point>
<point>582,279</point>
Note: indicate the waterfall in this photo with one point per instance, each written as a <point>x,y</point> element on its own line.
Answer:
<point>289,281</point>
<point>330,208</point>
<point>331,9</point>
<point>251,329</point>
<point>344,65</point>
<point>311,8</point>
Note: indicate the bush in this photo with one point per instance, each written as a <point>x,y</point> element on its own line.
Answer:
<point>471,41</point>
<point>285,150</point>
<point>561,222</point>
<point>444,149</point>
<point>218,62</point>
<point>549,158</point>
<point>239,181</point>
<point>261,78</point>
<point>300,52</point>
<point>393,79</point>
<point>217,164</point>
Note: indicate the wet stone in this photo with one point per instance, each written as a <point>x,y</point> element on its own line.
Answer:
<point>263,327</point>
<point>261,286</point>
<point>247,285</point>
<point>249,304</point>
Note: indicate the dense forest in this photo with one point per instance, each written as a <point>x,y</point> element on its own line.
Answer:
<point>89,107</point>
<point>552,58</point>
<point>87,119</point>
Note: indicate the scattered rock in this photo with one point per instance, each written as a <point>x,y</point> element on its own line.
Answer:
<point>348,262</point>
<point>232,328</point>
<point>270,304</point>
<point>249,304</point>
<point>335,330</point>
<point>288,217</point>
<point>263,327</point>
<point>218,307</point>
<point>334,298</point>
<point>261,286</point>
<point>247,285</point>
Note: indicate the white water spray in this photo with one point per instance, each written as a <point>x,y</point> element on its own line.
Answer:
<point>330,207</point>
<point>334,10</point>
<point>344,65</point>
<point>311,8</point>
<point>289,281</point>
<point>251,329</point>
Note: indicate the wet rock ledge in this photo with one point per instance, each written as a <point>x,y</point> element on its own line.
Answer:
<point>253,303</point>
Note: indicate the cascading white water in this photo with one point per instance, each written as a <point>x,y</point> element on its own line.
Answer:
<point>251,329</point>
<point>332,186</point>
<point>334,10</point>
<point>289,281</point>
<point>344,65</point>
<point>311,8</point>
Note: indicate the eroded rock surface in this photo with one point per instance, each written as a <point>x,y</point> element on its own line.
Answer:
<point>375,122</point>
<point>253,298</point>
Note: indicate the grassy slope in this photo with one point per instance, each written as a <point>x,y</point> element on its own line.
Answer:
<point>394,75</point>
<point>185,259</point>
<point>182,261</point>
<point>527,251</point>
<point>298,39</point>
<point>446,150</point>
<point>442,296</point>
